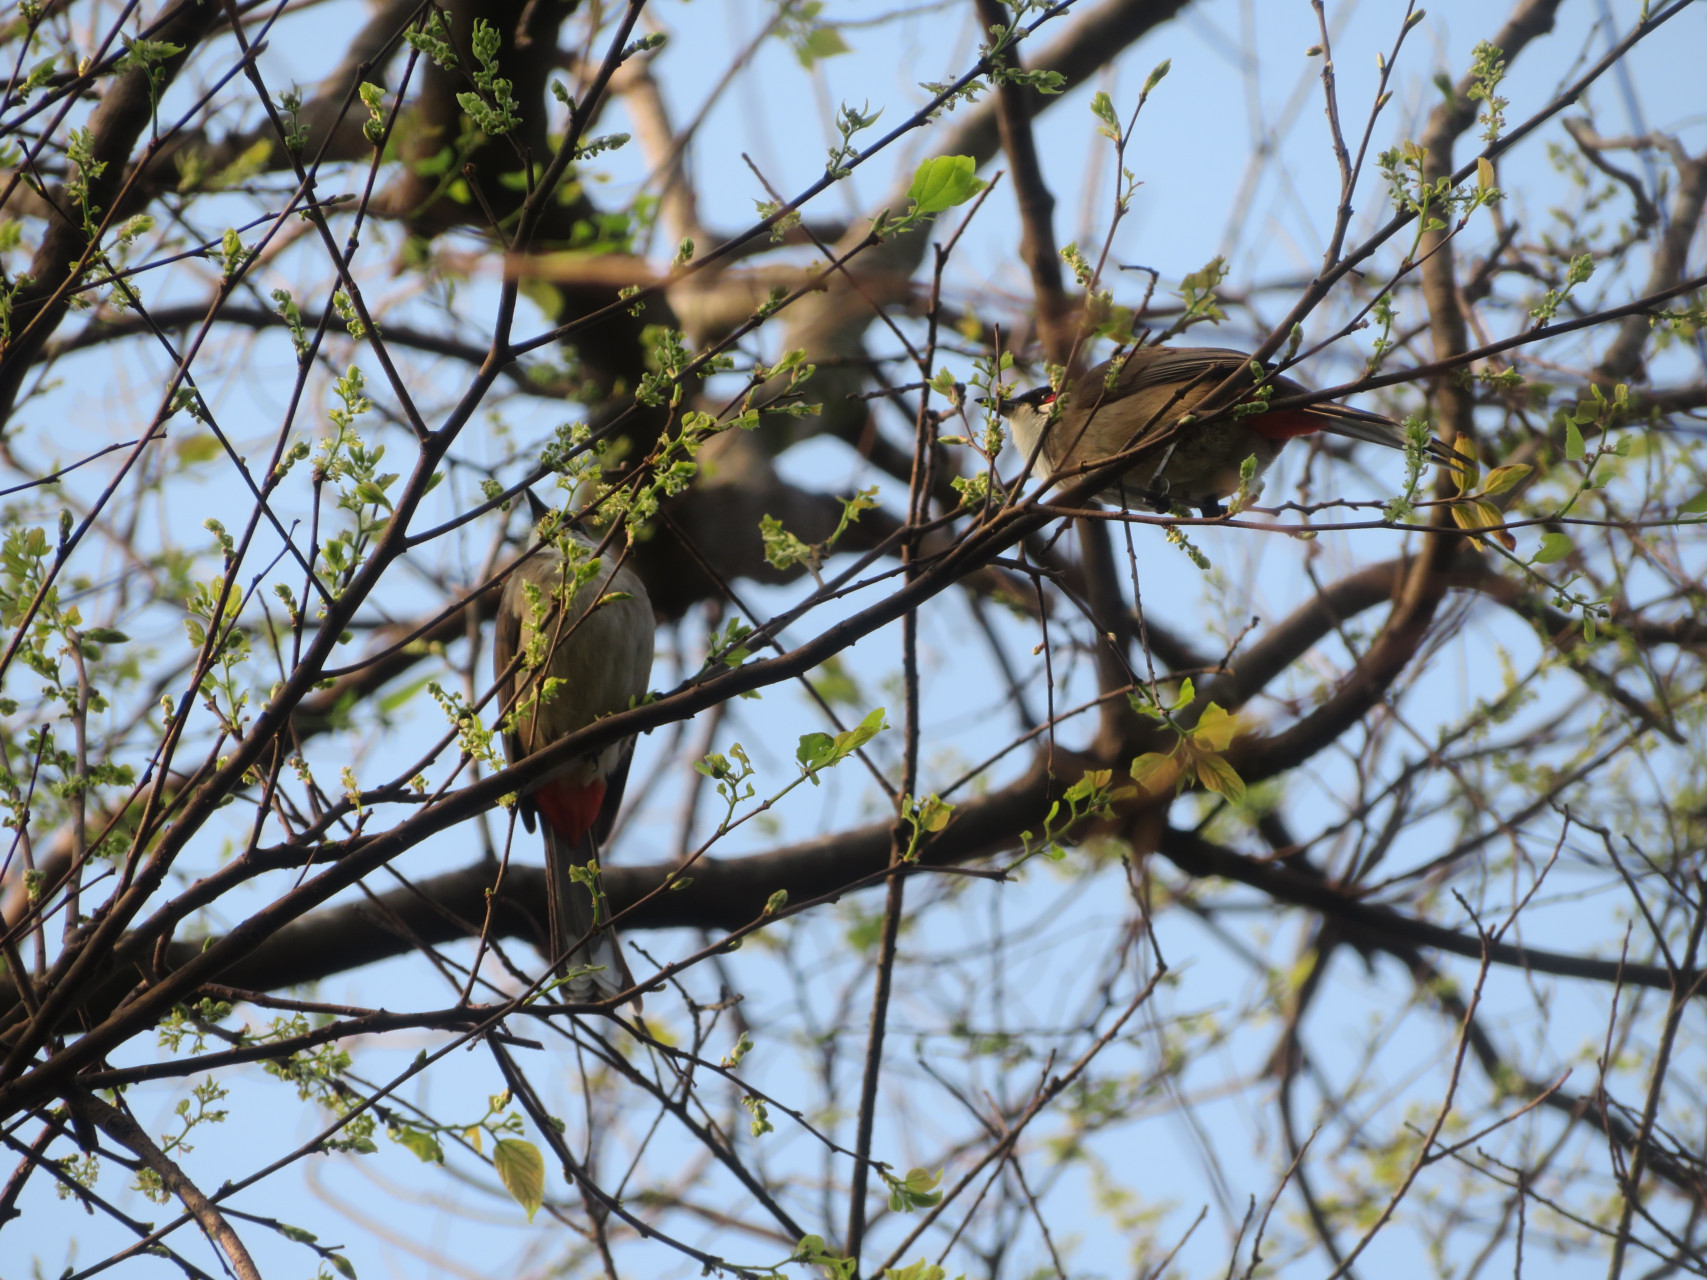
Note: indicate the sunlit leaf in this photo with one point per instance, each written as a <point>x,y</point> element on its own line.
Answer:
<point>1504,479</point>
<point>1154,771</point>
<point>1220,777</point>
<point>943,182</point>
<point>521,1169</point>
<point>1215,728</point>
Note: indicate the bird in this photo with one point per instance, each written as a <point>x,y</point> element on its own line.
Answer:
<point>1196,463</point>
<point>573,642</point>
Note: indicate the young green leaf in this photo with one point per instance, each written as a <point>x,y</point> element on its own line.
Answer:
<point>1214,730</point>
<point>943,182</point>
<point>1503,479</point>
<point>521,1169</point>
<point>1218,776</point>
<point>1153,771</point>
<point>425,1146</point>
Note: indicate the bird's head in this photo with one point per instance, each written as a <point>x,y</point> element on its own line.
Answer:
<point>1026,413</point>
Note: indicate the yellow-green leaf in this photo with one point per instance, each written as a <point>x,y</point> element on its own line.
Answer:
<point>1469,470</point>
<point>1220,777</point>
<point>1475,516</point>
<point>1153,771</point>
<point>522,1171</point>
<point>1503,479</point>
<point>1554,546</point>
<point>198,448</point>
<point>423,1144</point>
<point>943,182</point>
<point>824,42</point>
<point>934,813</point>
<point>1215,729</point>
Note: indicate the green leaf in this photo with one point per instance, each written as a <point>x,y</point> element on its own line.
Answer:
<point>1573,442</point>
<point>1086,786</point>
<point>1102,107</point>
<point>916,1191</point>
<point>1218,776</point>
<point>397,697</point>
<point>815,750</point>
<point>823,42</point>
<point>782,549</point>
<point>865,730</point>
<point>1474,516</point>
<point>934,813</point>
<point>105,635</point>
<point>344,1266</point>
<point>943,182</point>
<point>1466,471</point>
<point>425,1146</point>
<point>819,750</point>
<point>835,684</point>
<point>370,493</point>
<point>1695,506</point>
<point>522,1171</point>
<point>1554,547</point>
<point>194,449</point>
<point>1148,770</point>
<point>1503,479</point>
<point>1215,728</point>
<point>923,1269</point>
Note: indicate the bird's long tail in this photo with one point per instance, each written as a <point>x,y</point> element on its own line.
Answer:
<point>577,938</point>
<point>1374,428</point>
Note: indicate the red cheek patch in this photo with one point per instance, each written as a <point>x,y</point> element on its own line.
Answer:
<point>570,810</point>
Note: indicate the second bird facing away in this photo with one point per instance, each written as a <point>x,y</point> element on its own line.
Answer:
<point>584,621</point>
<point>1197,465</point>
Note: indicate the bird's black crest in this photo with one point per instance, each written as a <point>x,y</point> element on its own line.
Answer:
<point>537,509</point>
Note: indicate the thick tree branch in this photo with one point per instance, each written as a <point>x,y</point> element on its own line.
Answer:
<point>125,1131</point>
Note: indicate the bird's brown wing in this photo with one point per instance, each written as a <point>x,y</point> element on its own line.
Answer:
<point>612,803</point>
<point>1171,367</point>
<point>1155,387</point>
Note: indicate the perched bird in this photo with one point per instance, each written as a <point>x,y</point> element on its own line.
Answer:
<point>1196,464</point>
<point>582,626</point>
